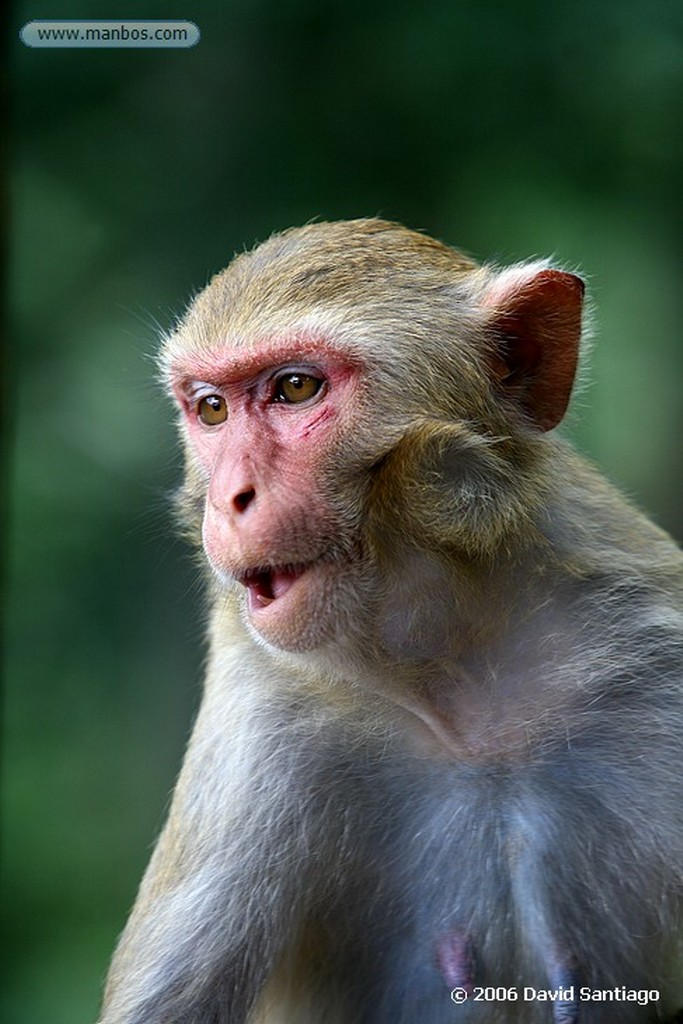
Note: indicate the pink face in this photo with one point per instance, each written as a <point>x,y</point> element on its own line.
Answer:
<point>264,425</point>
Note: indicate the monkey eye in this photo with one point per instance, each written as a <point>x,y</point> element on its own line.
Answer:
<point>212,410</point>
<point>295,388</point>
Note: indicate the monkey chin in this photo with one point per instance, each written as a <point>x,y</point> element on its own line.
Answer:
<point>290,607</point>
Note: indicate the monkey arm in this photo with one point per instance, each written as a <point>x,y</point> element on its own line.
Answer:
<point>204,925</point>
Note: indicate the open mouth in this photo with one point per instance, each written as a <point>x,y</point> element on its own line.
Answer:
<point>267,585</point>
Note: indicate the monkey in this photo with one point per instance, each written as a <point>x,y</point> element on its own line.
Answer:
<point>436,772</point>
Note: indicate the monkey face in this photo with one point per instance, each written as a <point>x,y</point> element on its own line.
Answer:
<point>264,430</point>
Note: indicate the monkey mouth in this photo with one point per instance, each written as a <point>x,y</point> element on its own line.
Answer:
<point>265,585</point>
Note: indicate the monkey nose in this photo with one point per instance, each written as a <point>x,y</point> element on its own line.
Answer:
<point>243,500</point>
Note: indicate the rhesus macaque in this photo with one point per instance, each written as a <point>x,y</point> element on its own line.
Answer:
<point>436,775</point>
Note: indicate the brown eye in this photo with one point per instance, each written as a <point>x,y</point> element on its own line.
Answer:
<point>212,410</point>
<point>295,388</point>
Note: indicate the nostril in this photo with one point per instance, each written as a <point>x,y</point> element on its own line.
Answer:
<point>243,500</point>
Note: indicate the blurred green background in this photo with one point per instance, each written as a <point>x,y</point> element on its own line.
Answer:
<point>507,129</point>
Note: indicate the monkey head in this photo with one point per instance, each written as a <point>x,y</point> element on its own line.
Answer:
<point>349,388</point>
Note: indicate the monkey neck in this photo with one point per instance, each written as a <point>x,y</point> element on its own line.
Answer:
<point>466,653</point>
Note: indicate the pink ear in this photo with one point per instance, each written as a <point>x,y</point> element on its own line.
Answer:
<point>536,319</point>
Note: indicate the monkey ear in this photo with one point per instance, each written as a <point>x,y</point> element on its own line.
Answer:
<point>535,316</point>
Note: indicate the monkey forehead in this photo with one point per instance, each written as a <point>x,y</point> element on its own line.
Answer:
<point>340,280</point>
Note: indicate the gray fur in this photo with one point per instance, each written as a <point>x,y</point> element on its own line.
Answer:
<point>328,828</point>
